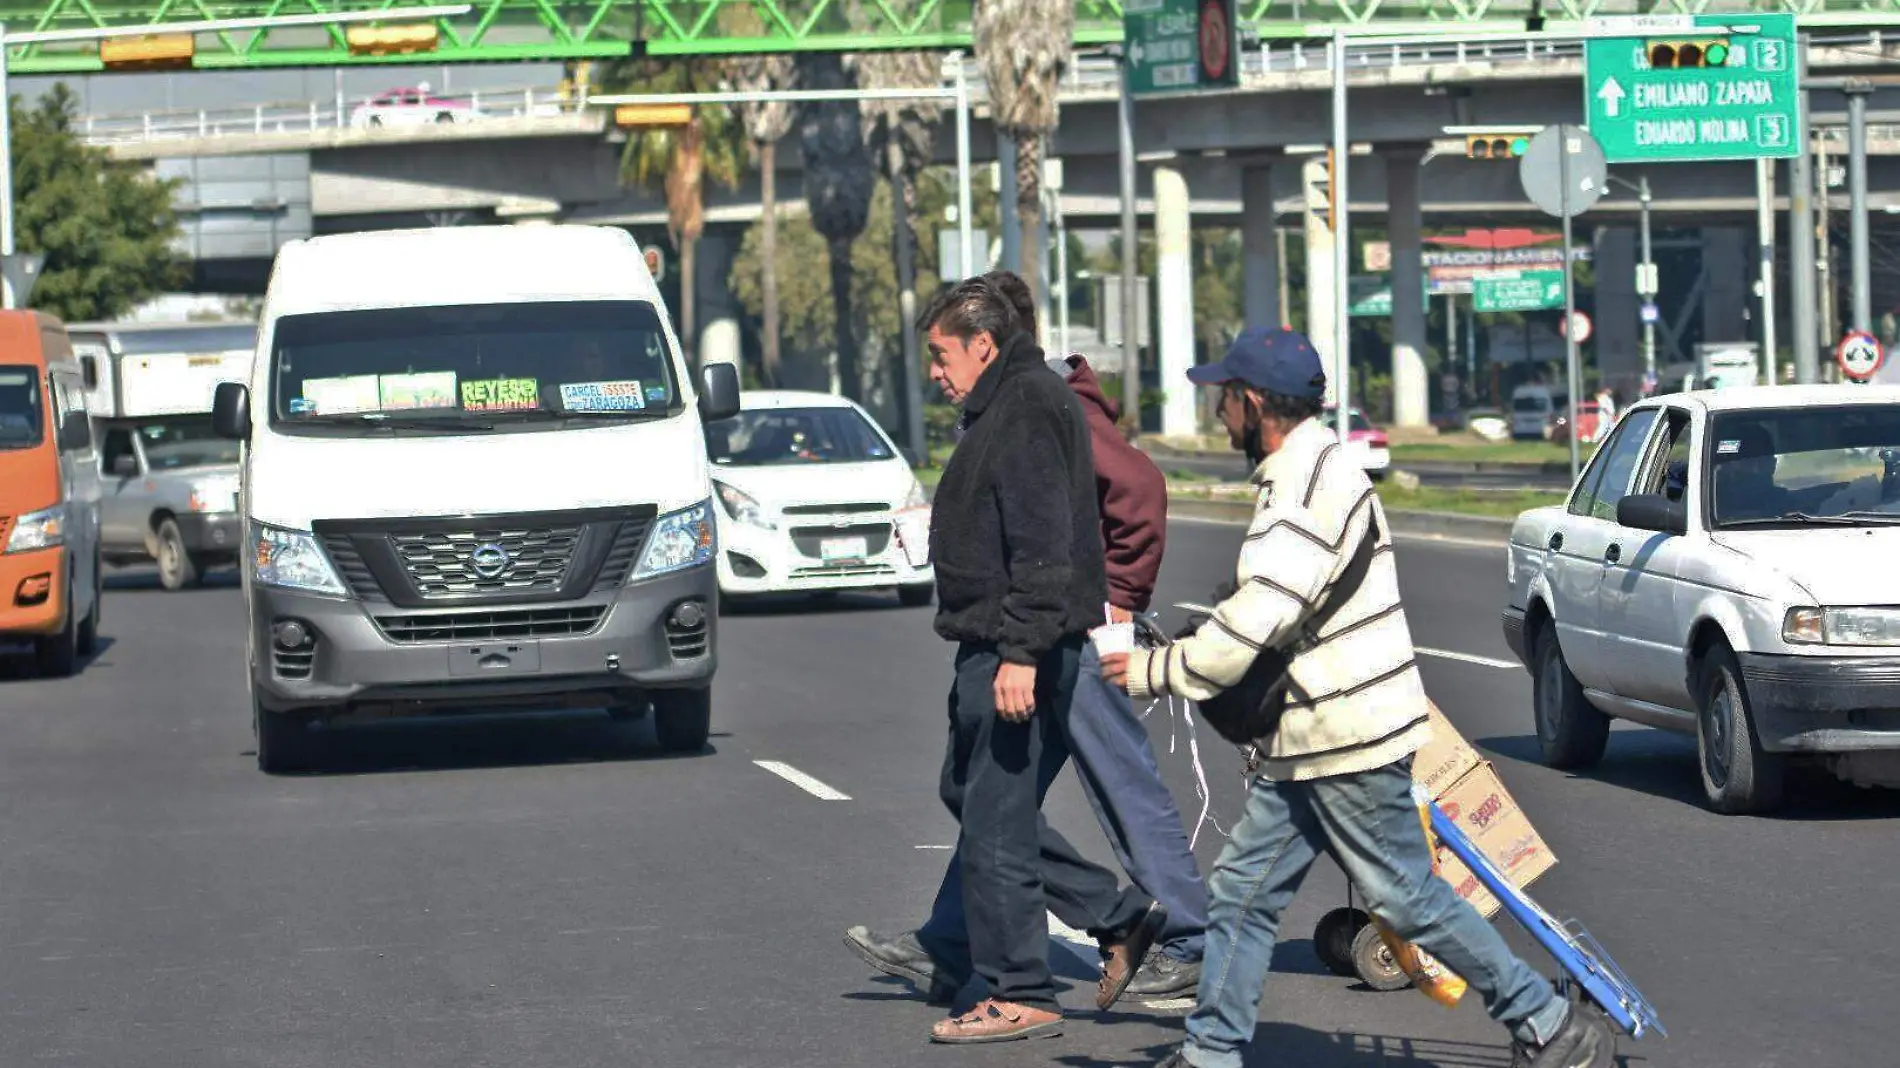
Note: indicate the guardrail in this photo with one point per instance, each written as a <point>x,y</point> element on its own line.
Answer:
<point>312,115</point>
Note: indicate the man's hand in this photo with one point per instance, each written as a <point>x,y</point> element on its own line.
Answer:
<point>1016,692</point>
<point>1115,669</point>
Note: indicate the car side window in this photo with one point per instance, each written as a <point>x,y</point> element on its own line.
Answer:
<point>1618,462</point>
<point>116,450</point>
<point>1668,474</point>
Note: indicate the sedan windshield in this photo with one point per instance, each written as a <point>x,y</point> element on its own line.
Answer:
<point>176,443</point>
<point>21,424</point>
<point>1805,466</point>
<point>779,436</point>
<point>478,366</point>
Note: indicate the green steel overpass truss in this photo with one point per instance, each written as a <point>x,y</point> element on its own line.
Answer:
<point>553,30</point>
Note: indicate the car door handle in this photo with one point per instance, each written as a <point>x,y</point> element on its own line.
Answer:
<point>1613,554</point>
<point>1556,542</point>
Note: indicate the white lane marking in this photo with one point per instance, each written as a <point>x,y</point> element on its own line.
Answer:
<point>803,781</point>
<point>933,847</point>
<point>1172,1005</point>
<point>1482,661</point>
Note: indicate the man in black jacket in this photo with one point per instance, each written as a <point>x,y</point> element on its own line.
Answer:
<point>1016,541</point>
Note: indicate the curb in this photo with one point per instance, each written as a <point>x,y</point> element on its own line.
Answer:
<point>1492,530</point>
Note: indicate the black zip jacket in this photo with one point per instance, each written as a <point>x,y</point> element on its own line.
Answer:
<point>1015,530</point>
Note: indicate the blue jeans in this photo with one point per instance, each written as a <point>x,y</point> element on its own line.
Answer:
<point>1371,824</point>
<point>1119,774</point>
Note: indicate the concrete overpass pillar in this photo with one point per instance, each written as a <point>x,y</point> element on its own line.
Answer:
<point>1174,264</point>
<point>1260,248</point>
<point>1011,221</point>
<point>717,310</point>
<point>1618,326</point>
<point>1411,387</point>
<point>1322,309</point>
<point>1725,293</point>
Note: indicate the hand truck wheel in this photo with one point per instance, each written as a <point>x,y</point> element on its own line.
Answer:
<point>1332,939</point>
<point>1373,962</point>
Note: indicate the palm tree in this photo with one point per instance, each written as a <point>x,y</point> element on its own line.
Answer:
<point>839,181</point>
<point>901,135</point>
<point>765,123</point>
<point>679,160</point>
<point>1025,46</point>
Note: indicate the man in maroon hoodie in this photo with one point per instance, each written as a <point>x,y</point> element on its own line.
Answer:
<point>1109,742</point>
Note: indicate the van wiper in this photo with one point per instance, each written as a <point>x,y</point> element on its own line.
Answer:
<point>383,422</point>
<point>1878,518</point>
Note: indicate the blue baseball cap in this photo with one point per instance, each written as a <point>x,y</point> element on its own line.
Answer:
<point>1268,358</point>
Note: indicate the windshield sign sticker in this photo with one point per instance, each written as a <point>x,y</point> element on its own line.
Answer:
<point>337,396</point>
<point>1723,448</point>
<point>302,406</point>
<point>656,394</point>
<point>501,395</point>
<point>402,393</point>
<point>602,397</point>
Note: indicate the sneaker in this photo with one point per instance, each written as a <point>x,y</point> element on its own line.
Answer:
<point>1587,1039</point>
<point>1163,978</point>
<point>905,957</point>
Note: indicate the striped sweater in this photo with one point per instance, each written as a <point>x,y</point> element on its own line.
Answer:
<point>1355,701</point>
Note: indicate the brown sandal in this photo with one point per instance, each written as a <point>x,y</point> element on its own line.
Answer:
<point>997,1021</point>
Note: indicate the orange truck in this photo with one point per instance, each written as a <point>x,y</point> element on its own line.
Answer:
<point>49,496</point>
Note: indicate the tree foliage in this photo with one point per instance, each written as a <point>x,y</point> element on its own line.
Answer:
<point>839,185</point>
<point>106,227</point>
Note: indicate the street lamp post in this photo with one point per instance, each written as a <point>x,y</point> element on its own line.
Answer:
<point>100,33</point>
<point>1646,282</point>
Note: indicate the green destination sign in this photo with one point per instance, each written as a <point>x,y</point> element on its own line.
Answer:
<point>1181,45</point>
<point>1527,291</point>
<point>1661,88</point>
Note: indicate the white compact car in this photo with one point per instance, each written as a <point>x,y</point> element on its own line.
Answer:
<point>1724,568</point>
<point>812,496</point>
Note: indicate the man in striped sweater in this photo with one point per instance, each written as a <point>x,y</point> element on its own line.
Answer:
<point>1336,774</point>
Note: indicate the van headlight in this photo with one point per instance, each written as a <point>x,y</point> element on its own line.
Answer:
<point>742,506</point>
<point>679,540</point>
<point>292,560</point>
<point>44,529</point>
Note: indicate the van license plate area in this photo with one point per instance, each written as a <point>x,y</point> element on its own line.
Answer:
<point>483,659</point>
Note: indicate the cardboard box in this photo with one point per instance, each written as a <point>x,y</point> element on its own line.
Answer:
<point>1491,818</point>
<point>1446,758</point>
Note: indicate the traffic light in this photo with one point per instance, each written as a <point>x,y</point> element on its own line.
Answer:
<point>1506,146</point>
<point>1686,55</point>
<point>165,51</point>
<point>398,40</point>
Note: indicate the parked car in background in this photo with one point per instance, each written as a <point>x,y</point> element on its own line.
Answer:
<point>811,492</point>
<point>410,107</point>
<point>1365,441</point>
<point>1723,568</point>
<point>1534,411</point>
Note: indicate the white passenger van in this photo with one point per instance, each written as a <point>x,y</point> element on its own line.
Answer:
<point>474,478</point>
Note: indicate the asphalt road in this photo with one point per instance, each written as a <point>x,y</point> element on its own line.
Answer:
<point>553,891</point>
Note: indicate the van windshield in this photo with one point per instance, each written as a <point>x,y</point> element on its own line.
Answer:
<point>471,366</point>
<point>21,424</point>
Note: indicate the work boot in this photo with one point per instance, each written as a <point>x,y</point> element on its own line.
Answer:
<point>1587,1039</point>
<point>1163,978</point>
<point>1120,960</point>
<point>905,957</point>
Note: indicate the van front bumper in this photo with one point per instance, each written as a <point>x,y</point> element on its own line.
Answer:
<point>25,611</point>
<point>596,651</point>
<point>1823,704</point>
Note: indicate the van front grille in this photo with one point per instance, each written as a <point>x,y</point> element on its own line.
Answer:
<point>491,626</point>
<point>474,562</point>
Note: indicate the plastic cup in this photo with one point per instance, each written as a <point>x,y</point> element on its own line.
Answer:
<point>1113,638</point>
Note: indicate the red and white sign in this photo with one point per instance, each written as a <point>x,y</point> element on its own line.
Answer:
<point>656,262</point>
<point>1577,327</point>
<point>1860,355</point>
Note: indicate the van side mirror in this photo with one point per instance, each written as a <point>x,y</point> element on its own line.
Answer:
<point>75,432</point>
<point>1653,511</point>
<point>718,392</point>
<point>231,411</point>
